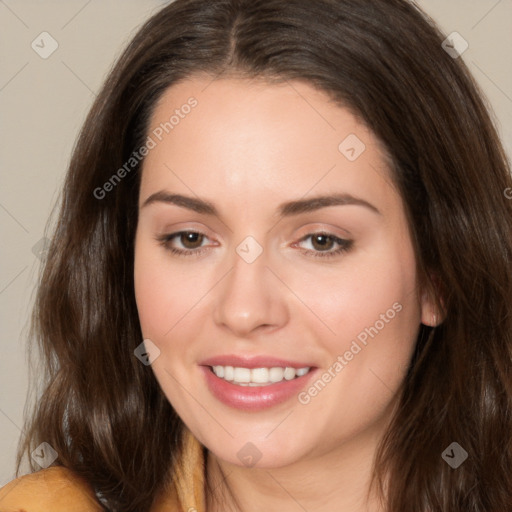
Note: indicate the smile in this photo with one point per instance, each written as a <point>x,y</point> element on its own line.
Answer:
<point>241,376</point>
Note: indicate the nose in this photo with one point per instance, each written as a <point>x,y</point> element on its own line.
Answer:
<point>250,298</point>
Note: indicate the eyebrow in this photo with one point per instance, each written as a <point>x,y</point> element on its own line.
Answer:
<point>287,209</point>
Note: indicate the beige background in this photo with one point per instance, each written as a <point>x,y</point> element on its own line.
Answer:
<point>43,103</point>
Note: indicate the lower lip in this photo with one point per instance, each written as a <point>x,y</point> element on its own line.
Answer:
<point>254,398</point>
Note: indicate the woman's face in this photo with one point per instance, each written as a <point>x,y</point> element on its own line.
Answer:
<point>294,253</point>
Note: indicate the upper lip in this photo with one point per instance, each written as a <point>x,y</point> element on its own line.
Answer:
<point>262,361</point>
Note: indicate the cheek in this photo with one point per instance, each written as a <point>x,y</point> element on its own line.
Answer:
<point>375,317</point>
<point>156,291</point>
<point>168,299</point>
<point>354,295</point>
<point>378,323</point>
<point>372,312</point>
<point>165,300</point>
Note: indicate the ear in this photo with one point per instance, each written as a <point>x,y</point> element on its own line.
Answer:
<point>431,313</point>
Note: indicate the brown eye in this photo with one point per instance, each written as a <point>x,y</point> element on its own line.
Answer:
<point>191,240</point>
<point>325,245</point>
<point>322,242</point>
<point>184,243</point>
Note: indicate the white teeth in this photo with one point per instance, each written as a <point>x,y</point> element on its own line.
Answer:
<point>228,373</point>
<point>242,375</point>
<point>258,376</point>
<point>276,374</point>
<point>301,371</point>
<point>289,373</point>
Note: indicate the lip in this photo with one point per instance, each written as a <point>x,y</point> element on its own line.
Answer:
<point>255,398</point>
<point>252,362</point>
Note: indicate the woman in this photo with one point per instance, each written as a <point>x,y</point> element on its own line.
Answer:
<point>281,275</point>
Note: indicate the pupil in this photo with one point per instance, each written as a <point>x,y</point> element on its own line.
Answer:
<point>191,239</point>
<point>322,241</point>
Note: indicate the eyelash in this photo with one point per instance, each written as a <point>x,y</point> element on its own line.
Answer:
<point>345,245</point>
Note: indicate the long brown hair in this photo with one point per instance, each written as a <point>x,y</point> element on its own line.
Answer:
<point>103,411</point>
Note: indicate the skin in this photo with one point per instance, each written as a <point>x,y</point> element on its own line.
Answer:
<point>248,147</point>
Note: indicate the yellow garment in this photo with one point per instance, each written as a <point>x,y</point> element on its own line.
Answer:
<point>58,489</point>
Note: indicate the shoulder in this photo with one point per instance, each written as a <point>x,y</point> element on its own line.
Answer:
<point>55,489</point>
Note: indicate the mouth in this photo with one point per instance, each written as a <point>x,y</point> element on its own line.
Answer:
<point>257,377</point>
<point>255,383</point>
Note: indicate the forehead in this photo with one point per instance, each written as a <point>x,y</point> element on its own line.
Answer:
<point>248,135</point>
<point>237,108</point>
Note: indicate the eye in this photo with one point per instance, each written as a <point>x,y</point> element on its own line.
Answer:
<point>322,245</point>
<point>190,242</point>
